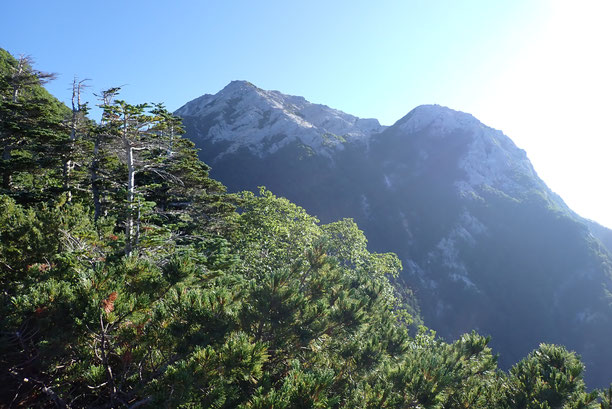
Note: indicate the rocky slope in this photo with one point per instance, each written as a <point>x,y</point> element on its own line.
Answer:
<point>242,116</point>
<point>484,243</point>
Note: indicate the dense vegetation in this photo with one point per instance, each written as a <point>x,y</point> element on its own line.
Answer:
<point>130,279</point>
<point>484,243</point>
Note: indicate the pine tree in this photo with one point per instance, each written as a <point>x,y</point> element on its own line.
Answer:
<point>550,377</point>
<point>30,131</point>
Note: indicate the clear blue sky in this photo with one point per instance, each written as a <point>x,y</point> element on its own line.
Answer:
<point>537,69</point>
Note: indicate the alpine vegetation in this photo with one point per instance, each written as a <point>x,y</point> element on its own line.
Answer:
<point>130,278</point>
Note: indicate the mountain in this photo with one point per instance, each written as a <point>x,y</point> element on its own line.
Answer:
<point>244,116</point>
<point>485,244</point>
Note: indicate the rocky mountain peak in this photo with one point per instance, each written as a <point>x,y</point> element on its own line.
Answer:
<point>242,115</point>
<point>239,85</point>
<point>439,120</point>
<point>490,159</point>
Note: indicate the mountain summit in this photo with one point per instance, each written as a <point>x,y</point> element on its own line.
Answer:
<point>242,115</point>
<point>485,244</point>
<point>489,157</point>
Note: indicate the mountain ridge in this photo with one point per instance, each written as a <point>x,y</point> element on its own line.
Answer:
<point>432,115</point>
<point>241,103</point>
<point>485,243</point>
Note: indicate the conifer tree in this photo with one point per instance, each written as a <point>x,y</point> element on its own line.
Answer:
<point>75,154</point>
<point>30,130</point>
<point>550,377</point>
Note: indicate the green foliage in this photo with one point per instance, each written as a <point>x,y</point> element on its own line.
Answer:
<point>211,308</point>
<point>606,398</point>
<point>32,134</point>
<point>550,377</point>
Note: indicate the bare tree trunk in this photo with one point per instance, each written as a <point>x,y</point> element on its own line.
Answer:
<point>16,75</point>
<point>131,186</point>
<point>68,163</point>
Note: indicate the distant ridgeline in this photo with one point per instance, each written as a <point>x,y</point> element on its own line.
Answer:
<point>129,278</point>
<point>484,243</point>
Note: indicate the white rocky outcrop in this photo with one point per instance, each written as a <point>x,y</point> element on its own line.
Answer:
<point>264,121</point>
